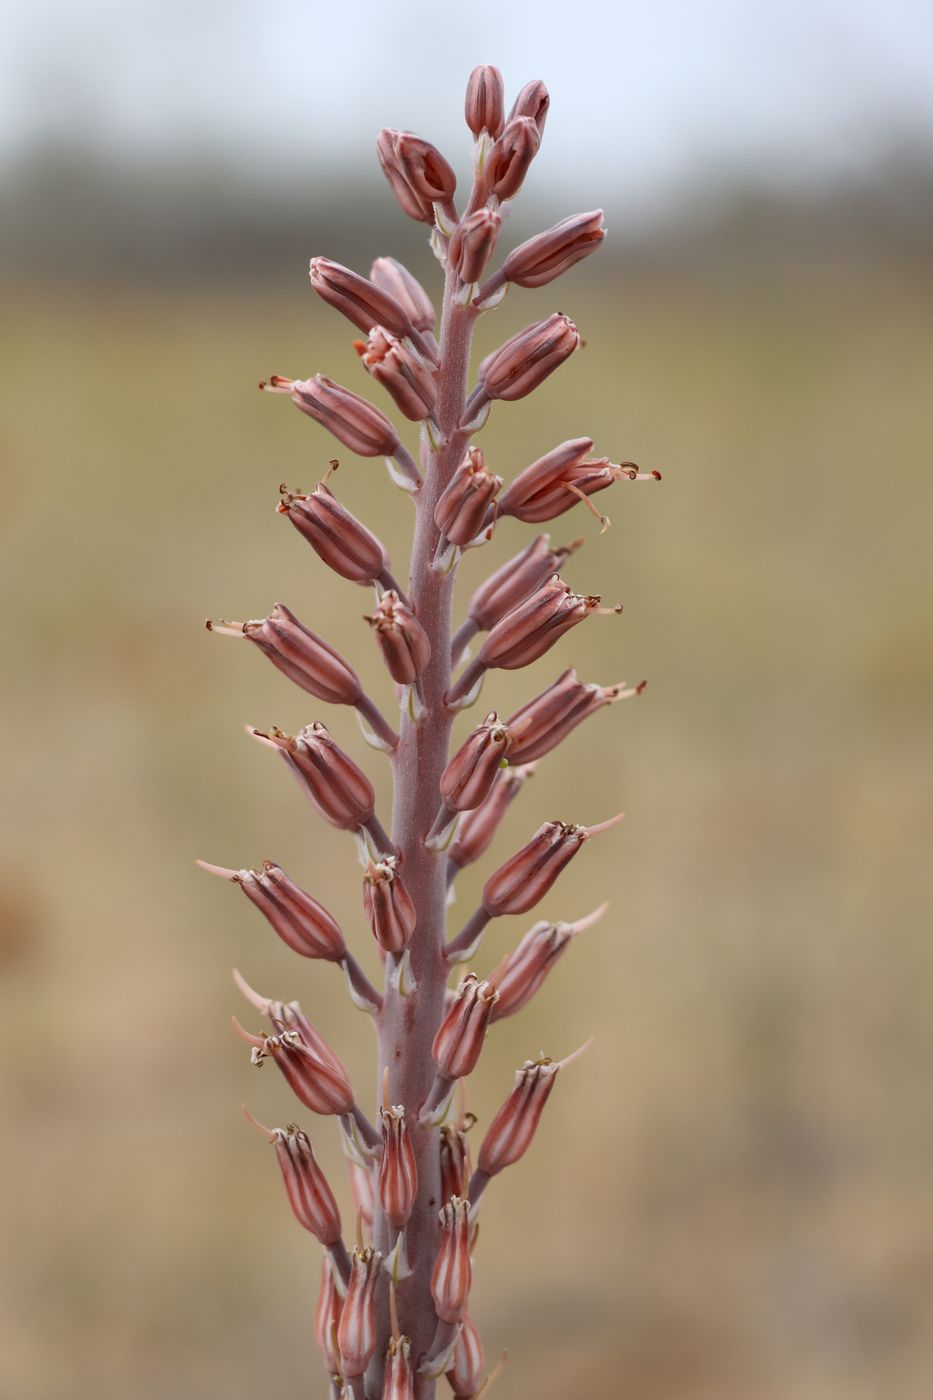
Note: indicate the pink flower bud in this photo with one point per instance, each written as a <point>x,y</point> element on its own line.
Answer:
<point>335,535</point>
<point>299,654</point>
<point>306,1186</point>
<point>545,721</point>
<point>363,1193</point>
<point>477,829</point>
<point>470,774</point>
<point>465,1376</point>
<point>556,481</point>
<point>526,359</point>
<point>511,1131</point>
<point>340,790</point>
<point>539,260</point>
<point>415,206</point>
<point>401,372</point>
<point>360,300</point>
<point>327,1318</point>
<point>402,640</point>
<point>533,101</point>
<point>393,277</point>
<point>298,919</point>
<point>356,1333</point>
<point>485,100</point>
<point>427,172</point>
<point>532,628</point>
<point>473,242</point>
<point>526,877</point>
<point>398,1174</point>
<point>453,1268</point>
<point>522,972</point>
<point>454,1162</point>
<point>354,422</point>
<point>508,162</point>
<point>388,905</point>
<point>399,1381</point>
<point>310,1068</point>
<point>516,581</point>
<point>459,1040</point>
<point>463,507</point>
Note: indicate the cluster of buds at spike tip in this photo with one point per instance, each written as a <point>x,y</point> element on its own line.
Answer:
<point>400,372</point>
<point>558,480</point>
<point>398,1173</point>
<point>521,973</point>
<point>356,1332</point>
<point>462,510</point>
<point>388,905</point>
<point>418,174</point>
<point>542,723</point>
<point>401,638</point>
<point>547,255</point>
<point>521,364</point>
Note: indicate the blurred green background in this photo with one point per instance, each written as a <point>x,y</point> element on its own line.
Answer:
<point>731,1193</point>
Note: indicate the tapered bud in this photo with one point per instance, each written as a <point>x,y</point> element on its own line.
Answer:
<point>533,101</point>
<point>465,1376</point>
<point>340,790</point>
<point>522,972</point>
<point>354,422</point>
<point>402,639</point>
<point>545,721</point>
<point>356,1334</point>
<point>508,162</point>
<point>299,654</point>
<point>399,1379</point>
<point>412,204</point>
<point>310,1068</point>
<point>511,1131</point>
<point>336,536</point>
<point>453,1269</point>
<point>454,1162</point>
<point>470,774</point>
<point>477,829</point>
<point>532,628</point>
<point>463,507</point>
<point>360,300</point>
<point>527,359</point>
<point>419,175</point>
<point>306,1186</point>
<point>297,918</point>
<point>459,1040</point>
<point>516,581</point>
<point>473,242</point>
<point>558,480</point>
<point>363,1193</point>
<point>485,100</point>
<point>388,905</point>
<point>401,372</point>
<point>398,1175</point>
<point>526,877</point>
<point>542,258</point>
<point>393,277</point>
<point>327,1318</point>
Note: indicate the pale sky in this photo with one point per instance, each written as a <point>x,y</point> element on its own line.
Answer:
<point>654,94</point>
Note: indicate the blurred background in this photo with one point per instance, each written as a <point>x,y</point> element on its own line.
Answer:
<point>731,1194</point>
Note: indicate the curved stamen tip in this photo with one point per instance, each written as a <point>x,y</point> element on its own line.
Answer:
<point>277,384</point>
<point>261,1003</point>
<point>268,1133</point>
<point>607,825</point>
<point>256,1041</point>
<point>220,870</point>
<point>589,920</point>
<point>574,1055</point>
<point>274,740</point>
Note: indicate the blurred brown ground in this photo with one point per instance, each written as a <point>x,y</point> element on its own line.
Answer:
<point>731,1195</point>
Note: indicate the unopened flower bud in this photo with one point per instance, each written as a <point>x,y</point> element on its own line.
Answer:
<point>485,100</point>
<point>398,1174</point>
<point>516,581</point>
<point>393,277</point>
<point>419,175</point>
<point>336,536</point>
<point>540,259</point>
<point>340,790</point>
<point>415,206</point>
<point>477,829</point>
<point>526,877</point>
<point>299,654</point>
<point>465,1376</point>
<point>388,905</point>
<point>453,1268</point>
<point>360,300</point>
<point>402,639</point>
<point>312,1071</point>
<point>532,628</point>
<point>508,162</point>
<point>399,1381</point>
<point>327,1318</point>
<point>363,1193</point>
<point>526,360</point>
<point>463,507</point>
<point>545,721</point>
<point>454,1162</point>
<point>473,242</point>
<point>511,1131</point>
<point>459,1040</point>
<point>470,774</point>
<point>358,424</point>
<point>303,924</point>
<point>555,482</point>
<point>356,1334</point>
<point>401,372</point>
<point>522,972</point>
<point>306,1186</point>
<point>533,101</point>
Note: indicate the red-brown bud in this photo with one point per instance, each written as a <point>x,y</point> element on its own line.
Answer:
<point>463,506</point>
<point>356,423</point>
<point>477,829</point>
<point>310,1068</point>
<point>415,206</point>
<point>399,1380</point>
<point>485,100</point>
<point>299,654</point>
<point>526,877</point>
<point>393,277</point>
<point>402,639</point>
<point>360,300</point>
<point>526,359</point>
<point>363,1193</point>
<point>336,536</point>
<point>465,1376</point>
<point>545,721</point>
<point>356,1333</point>
<point>398,1174</point>
<point>453,1268</point>
<point>388,905</point>
<point>455,1159</point>
<point>562,477</point>
<point>340,790</point>
<point>419,175</point>
<point>327,1318</point>
<point>401,372</point>
<point>533,101</point>
<point>298,919</point>
<point>511,1131</point>
<point>508,162</point>
<point>470,774</point>
<point>532,628</point>
<point>539,260</point>
<point>516,581</point>
<point>306,1186</point>
<point>522,972</point>
<point>459,1040</point>
<point>473,242</point>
